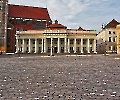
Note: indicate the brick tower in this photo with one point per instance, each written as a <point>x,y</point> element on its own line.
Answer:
<point>3,25</point>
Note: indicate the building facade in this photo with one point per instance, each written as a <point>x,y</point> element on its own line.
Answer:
<point>56,39</point>
<point>107,38</point>
<point>118,38</point>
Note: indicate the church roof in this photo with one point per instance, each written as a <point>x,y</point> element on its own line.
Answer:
<point>112,24</point>
<point>28,12</point>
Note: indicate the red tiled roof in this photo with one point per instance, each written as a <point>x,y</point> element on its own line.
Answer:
<point>28,12</point>
<point>56,25</point>
<point>112,24</point>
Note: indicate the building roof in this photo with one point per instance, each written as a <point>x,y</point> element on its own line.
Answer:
<point>81,29</point>
<point>112,24</point>
<point>28,12</point>
<point>56,25</point>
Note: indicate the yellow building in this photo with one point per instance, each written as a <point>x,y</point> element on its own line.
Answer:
<point>56,39</point>
<point>107,38</point>
<point>118,38</point>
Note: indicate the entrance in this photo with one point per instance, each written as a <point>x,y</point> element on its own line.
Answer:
<point>55,49</point>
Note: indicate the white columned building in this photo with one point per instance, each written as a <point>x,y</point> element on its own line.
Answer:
<point>46,37</point>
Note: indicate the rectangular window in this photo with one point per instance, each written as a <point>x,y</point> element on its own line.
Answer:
<point>113,32</point>
<point>27,41</point>
<point>21,42</point>
<point>109,47</point>
<point>84,41</point>
<point>27,48</point>
<point>114,40</point>
<point>33,41</point>
<point>40,42</point>
<point>109,39</point>
<point>90,41</point>
<point>109,32</point>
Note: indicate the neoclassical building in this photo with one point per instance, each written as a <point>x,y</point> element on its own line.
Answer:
<point>107,38</point>
<point>56,39</point>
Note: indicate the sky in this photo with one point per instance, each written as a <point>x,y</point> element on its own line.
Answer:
<point>88,14</point>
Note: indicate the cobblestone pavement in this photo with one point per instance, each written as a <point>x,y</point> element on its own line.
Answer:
<point>60,78</point>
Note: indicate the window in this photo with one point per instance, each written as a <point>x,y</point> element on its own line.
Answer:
<point>109,47</point>
<point>90,41</point>
<point>109,32</point>
<point>21,41</point>
<point>113,47</point>
<point>113,32</point>
<point>27,41</point>
<point>33,41</point>
<point>84,41</point>
<point>27,48</point>
<point>114,40</point>
<point>71,41</point>
<point>39,41</point>
<point>109,39</point>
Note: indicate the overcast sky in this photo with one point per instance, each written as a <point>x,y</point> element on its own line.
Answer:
<point>89,14</point>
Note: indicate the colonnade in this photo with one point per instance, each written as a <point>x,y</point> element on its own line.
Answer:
<point>44,48</point>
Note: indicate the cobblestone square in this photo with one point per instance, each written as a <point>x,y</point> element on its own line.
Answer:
<point>60,78</point>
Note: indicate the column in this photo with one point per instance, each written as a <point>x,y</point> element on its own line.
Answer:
<point>45,45</point>
<point>75,45</point>
<point>29,45</point>
<point>58,45</point>
<point>17,46</point>
<point>68,45</point>
<point>65,44</point>
<point>88,46</point>
<point>23,46</point>
<point>51,45</point>
<point>95,46</point>
<point>42,45</point>
<point>36,46</point>
<point>81,45</point>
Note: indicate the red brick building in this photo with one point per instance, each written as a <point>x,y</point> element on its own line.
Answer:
<point>24,18</point>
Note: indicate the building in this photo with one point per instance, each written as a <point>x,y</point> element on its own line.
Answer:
<point>107,38</point>
<point>3,24</point>
<point>56,39</point>
<point>118,38</point>
<point>18,17</point>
